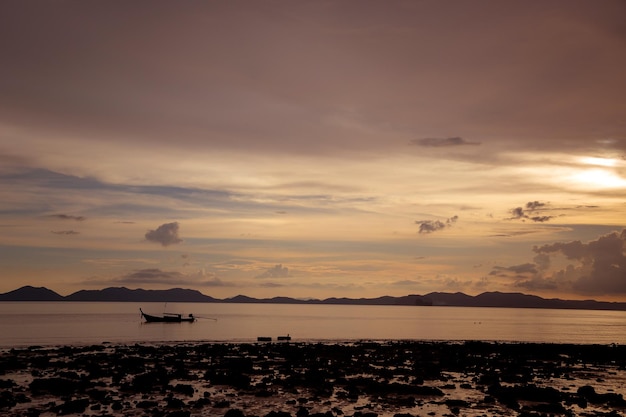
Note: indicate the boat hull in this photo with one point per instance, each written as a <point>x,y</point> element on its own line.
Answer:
<point>175,318</point>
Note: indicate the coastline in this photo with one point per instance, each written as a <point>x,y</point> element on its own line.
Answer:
<point>359,378</point>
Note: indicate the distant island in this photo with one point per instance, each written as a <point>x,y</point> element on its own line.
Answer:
<point>180,295</point>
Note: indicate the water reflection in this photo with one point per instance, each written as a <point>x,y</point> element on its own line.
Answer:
<point>28,323</point>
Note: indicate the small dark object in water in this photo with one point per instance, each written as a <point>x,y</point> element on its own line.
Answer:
<point>263,339</point>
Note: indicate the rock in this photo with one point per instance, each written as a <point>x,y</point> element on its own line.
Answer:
<point>326,414</point>
<point>7,383</point>
<point>222,404</point>
<point>278,414</point>
<point>147,404</point>
<point>202,402</point>
<point>263,393</point>
<point>55,386</point>
<point>234,412</point>
<point>175,403</point>
<point>586,391</point>
<point>7,400</point>
<point>32,412</point>
<point>185,389</point>
<point>72,406</point>
<point>179,413</point>
<point>457,403</point>
<point>149,381</point>
<point>588,394</point>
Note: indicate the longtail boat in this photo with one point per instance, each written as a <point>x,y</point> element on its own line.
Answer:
<point>167,318</point>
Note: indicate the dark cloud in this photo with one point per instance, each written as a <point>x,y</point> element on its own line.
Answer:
<point>526,276</point>
<point>600,267</point>
<point>278,271</point>
<point>430,226</point>
<point>527,268</point>
<point>513,233</point>
<point>216,282</point>
<point>153,276</point>
<point>67,217</point>
<point>441,142</point>
<point>532,207</point>
<point>596,268</point>
<point>517,213</point>
<point>541,219</point>
<point>166,234</point>
<point>537,284</point>
<point>64,232</point>
<point>158,276</point>
<point>188,82</point>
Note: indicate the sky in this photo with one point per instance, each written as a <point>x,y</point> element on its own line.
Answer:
<point>314,149</point>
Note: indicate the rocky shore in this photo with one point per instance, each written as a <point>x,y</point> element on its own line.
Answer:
<point>359,379</point>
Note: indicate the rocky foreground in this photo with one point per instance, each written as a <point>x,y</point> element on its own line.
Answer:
<point>364,379</point>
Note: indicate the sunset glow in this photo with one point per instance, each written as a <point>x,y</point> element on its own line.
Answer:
<point>314,149</point>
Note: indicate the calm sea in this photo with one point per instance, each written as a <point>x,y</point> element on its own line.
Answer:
<point>73,323</point>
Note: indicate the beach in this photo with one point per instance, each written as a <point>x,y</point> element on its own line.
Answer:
<point>355,378</point>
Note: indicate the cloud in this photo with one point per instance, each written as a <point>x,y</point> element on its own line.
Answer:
<point>526,276</point>
<point>301,79</point>
<point>166,234</point>
<point>441,142</point>
<point>532,207</point>
<point>158,276</point>
<point>67,217</point>
<point>517,213</point>
<point>271,285</point>
<point>405,283</point>
<point>594,268</point>
<point>527,268</point>
<point>216,282</point>
<point>64,232</point>
<point>541,219</point>
<point>278,271</point>
<point>153,276</point>
<point>430,226</point>
<point>601,264</point>
<point>537,284</point>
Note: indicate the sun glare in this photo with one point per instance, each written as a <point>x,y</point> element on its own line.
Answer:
<point>598,178</point>
<point>603,162</point>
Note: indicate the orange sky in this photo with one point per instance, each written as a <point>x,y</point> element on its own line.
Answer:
<point>314,149</point>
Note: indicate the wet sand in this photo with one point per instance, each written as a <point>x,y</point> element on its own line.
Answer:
<point>360,379</point>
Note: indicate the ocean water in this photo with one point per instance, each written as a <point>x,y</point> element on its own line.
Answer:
<point>78,323</point>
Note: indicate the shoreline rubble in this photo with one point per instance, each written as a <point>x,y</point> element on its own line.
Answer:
<point>295,379</point>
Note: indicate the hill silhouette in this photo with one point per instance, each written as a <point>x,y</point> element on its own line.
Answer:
<point>29,293</point>
<point>174,295</point>
<point>181,295</point>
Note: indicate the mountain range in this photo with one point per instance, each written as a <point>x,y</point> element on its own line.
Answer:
<point>486,299</point>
